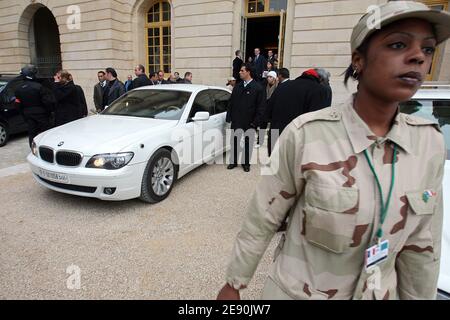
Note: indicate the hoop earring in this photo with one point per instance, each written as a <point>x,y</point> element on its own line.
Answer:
<point>355,74</point>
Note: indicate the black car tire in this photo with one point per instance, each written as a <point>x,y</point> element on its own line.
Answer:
<point>160,164</point>
<point>4,134</point>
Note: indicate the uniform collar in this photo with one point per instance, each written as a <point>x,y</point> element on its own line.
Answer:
<point>361,137</point>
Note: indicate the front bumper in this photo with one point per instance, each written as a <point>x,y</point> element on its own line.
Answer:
<point>87,182</point>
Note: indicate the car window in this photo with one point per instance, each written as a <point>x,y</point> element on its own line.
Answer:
<point>2,85</point>
<point>434,110</point>
<point>202,103</point>
<point>156,104</point>
<point>9,92</point>
<point>221,99</point>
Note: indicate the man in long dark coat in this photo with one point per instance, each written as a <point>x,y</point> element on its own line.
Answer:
<point>66,94</point>
<point>237,64</point>
<point>115,88</point>
<point>34,102</point>
<point>245,112</point>
<point>292,99</point>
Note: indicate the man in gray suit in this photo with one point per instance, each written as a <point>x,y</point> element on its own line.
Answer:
<point>99,89</point>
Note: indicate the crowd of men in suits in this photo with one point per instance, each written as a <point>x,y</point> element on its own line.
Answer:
<point>109,87</point>
<point>264,97</point>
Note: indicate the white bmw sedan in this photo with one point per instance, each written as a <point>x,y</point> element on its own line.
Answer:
<point>138,147</point>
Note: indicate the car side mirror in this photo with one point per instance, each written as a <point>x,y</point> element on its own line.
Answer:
<point>201,116</point>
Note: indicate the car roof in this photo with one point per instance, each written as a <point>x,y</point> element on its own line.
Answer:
<point>181,87</point>
<point>8,77</point>
<point>439,93</point>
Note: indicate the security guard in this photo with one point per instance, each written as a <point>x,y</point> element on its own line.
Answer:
<point>35,103</point>
<point>361,182</point>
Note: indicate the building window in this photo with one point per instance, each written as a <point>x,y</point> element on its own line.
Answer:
<point>159,50</point>
<point>260,7</point>
<point>277,5</point>
<point>255,6</point>
<point>436,5</point>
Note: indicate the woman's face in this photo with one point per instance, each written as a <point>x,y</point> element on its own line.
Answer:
<point>397,60</point>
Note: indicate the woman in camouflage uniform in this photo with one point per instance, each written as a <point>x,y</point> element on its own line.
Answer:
<point>361,182</point>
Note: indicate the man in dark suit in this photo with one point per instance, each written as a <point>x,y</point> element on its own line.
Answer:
<point>283,76</point>
<point>271,57</point>
<point>245,112</point>
<point>187,78</point>
<point>177,77</point>
<point>153,78</point>
<point>114,89</point>
<point>141,78</point>
<point>292,99</point>
<point>260,64</point>
<point>237,64</point>
<point>99,89</point>
<point>161,79</point>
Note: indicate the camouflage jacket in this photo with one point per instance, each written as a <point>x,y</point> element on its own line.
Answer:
<point>321,178</point>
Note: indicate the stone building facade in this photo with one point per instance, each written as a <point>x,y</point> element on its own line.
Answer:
<point>200,36</point>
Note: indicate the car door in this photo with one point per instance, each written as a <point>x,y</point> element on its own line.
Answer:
<point>10,111</point>
<point>221,100</point>
<point>195,149</point>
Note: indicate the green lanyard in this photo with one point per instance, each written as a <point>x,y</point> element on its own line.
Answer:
<point>384,206</point>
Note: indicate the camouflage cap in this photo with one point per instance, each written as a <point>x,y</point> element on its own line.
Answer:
<point>380,16</point>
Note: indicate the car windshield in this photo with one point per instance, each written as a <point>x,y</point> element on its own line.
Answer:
<point>155,104</point>
<point>2,85</point>
<point>435,110</point>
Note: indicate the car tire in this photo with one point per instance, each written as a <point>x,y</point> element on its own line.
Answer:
<point>159,177</point>
<point>4,134</point>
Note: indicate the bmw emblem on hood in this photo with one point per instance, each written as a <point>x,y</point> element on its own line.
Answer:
<point>61,144</point>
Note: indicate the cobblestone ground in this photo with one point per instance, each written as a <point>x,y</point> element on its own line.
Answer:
<point>177,249</point>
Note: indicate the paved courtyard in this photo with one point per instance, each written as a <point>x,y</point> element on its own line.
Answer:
<point>177,249</point>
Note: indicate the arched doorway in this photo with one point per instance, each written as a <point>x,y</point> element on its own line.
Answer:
<point>45,46</point>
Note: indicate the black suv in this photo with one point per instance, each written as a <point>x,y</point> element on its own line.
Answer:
<point>11,120</point>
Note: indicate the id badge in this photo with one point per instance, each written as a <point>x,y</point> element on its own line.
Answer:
<point>376,254</point>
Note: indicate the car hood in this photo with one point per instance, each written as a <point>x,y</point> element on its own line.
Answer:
<point>102,133</point>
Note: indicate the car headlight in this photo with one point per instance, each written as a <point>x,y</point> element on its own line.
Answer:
<point>110,161</point>
<point>34,149</point>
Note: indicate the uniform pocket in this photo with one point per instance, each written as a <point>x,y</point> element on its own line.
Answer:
<point>417,221</point>
<point>330,216</point>
<point>420,202</point>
